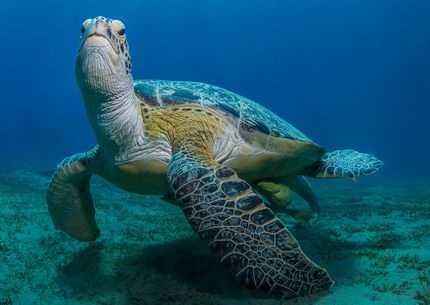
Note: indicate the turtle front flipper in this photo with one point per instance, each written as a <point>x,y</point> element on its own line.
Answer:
<point>250,240</point>
<point>69,199</point>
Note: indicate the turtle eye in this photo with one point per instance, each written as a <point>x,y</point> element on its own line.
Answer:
<point>121,32</point>
<point>85,25</point>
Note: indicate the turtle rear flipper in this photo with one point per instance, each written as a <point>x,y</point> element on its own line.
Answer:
<point>250,240</point>
<point>303,188</point>
<point>345,163</point>
<point>279,196</point>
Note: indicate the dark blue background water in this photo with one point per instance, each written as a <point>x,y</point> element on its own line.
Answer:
<point>349,74</point>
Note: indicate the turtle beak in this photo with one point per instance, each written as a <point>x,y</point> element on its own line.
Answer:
<point>97,28</point>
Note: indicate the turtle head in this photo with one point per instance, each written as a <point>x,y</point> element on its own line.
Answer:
<point>103,63</point>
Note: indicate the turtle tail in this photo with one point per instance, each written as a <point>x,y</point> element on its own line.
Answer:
<point>345,163</point>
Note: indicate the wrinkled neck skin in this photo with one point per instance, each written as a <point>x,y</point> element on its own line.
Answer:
<point>111,105</point>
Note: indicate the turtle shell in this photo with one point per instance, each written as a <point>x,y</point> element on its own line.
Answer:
<point>250,115</point>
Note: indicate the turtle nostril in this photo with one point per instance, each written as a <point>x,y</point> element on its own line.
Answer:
<point>82,29</point>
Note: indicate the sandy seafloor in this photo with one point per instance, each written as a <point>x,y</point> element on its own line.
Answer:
<point>372,236</point>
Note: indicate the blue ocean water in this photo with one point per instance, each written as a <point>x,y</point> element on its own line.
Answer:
<point>348,74</point>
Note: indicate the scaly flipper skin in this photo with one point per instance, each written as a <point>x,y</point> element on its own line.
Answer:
<point>69,199</point>
<point>250,240</point>
<point>279,194</point>
<point>345,163</point>
<point>303,188</point>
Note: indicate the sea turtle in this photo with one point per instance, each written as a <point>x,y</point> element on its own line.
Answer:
<point>205,148</point>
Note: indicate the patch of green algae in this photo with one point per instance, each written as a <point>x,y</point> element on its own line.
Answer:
<point>372,237</point>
